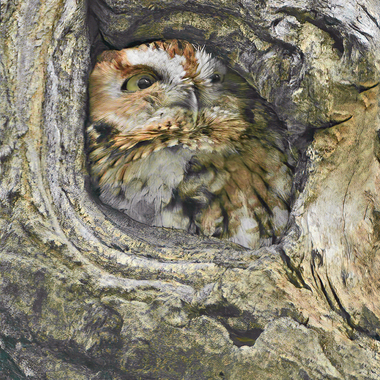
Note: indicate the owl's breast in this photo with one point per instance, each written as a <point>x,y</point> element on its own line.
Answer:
<point>148,185</point>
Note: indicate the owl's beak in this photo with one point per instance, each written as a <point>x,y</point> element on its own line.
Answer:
<point>185,99</point>
<point>193,106</point>
<point>182,101</point>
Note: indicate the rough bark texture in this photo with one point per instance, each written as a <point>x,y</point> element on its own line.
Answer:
<point>86,293</point>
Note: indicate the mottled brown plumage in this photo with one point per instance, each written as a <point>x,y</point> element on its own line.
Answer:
<point>178,140</point>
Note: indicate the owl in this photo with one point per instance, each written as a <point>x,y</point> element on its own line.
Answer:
<point>177,139</point>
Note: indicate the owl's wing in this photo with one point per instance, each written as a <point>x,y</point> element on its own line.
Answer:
<point>241,196</point>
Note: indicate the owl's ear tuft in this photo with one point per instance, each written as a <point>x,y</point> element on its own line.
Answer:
<point>113,57</point>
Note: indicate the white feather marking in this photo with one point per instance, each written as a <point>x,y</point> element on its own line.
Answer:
<point>208,65</point>
<point>159,60</point>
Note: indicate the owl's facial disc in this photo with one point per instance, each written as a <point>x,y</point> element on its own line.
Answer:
<point>130,88</point>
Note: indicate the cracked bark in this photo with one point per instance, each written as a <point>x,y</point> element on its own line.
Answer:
<point>87,293</point>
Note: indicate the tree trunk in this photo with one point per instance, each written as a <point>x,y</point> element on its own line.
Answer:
<point>87,293</point>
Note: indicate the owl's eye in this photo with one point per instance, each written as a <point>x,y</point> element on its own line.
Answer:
<point>216,78</point>
<point>138,82</point>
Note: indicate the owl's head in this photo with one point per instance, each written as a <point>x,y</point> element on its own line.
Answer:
<point>165,85</point>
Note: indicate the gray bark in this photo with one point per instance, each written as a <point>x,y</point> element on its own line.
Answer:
<point>87,293</point>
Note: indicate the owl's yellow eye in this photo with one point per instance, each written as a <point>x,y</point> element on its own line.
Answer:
<point>138,82</point>
<point>216,78</point>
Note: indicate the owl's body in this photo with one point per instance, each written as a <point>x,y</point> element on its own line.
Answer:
<point>178,140</point>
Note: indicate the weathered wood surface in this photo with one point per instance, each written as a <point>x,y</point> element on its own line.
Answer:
<point>88,294</point>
